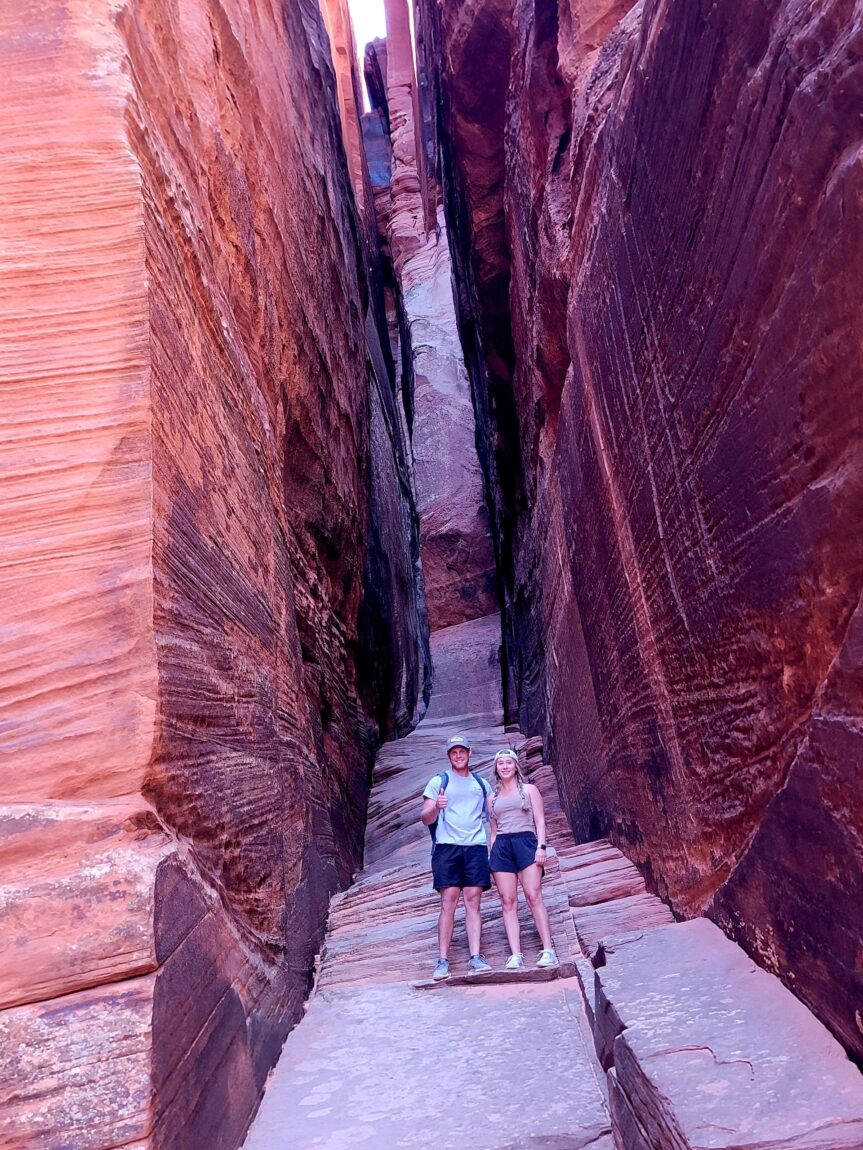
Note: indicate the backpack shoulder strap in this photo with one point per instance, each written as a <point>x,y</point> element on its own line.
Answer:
<point>486,789</point>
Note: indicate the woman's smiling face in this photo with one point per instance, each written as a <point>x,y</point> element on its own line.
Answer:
<point>505,766</point>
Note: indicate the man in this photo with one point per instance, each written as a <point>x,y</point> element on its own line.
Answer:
<point>460,854</point>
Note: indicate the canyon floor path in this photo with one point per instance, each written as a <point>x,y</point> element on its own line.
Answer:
<point>651,1033</point>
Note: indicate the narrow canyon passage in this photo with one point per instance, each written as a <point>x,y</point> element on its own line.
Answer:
<point>378,1062</point>
<point>527,397</point>
<point>651,1035</point>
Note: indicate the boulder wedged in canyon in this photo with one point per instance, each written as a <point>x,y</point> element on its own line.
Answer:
<point>711,1051</point>
<point>678,188</point>
<point>211,586</point>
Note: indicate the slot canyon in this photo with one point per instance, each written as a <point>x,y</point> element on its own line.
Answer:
<point>503,377</point>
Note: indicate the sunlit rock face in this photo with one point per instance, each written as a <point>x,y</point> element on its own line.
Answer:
<point>455,538</point>
<point>211,576</point>
<point>675,196</point>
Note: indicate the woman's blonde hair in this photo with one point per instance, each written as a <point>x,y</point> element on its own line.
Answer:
<point>520,780</point>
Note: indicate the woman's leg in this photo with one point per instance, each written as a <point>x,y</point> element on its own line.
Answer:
<point>531,884</point>
<point>507,888</point>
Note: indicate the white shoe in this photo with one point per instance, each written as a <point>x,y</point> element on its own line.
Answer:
<point>547,958</point>
<point>515,962</point>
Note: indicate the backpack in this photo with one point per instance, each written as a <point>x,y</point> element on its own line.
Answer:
<point>444,783</point>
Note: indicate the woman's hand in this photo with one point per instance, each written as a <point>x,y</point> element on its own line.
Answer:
<point>539,857</point>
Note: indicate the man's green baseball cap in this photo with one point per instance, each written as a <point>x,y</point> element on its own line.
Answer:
<point>457,741</point>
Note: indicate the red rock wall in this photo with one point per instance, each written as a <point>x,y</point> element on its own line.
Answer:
<point>455,541</point>
<point>213,586</point>
<point>682,210</point>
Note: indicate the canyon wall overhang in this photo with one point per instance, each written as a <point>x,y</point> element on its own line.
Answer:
<point>211,589</point>
<point>676,200</point>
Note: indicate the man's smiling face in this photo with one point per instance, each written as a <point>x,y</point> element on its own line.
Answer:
<point>459,758</point>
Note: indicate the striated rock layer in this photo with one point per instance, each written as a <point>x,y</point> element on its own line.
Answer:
<point>455,539</point>
<point>211,590</point>
<point>664,202</point>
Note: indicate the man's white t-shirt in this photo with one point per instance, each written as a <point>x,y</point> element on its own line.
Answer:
<point>460,822</point>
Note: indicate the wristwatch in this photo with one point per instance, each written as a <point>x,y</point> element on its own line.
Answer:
<point>541,847</point>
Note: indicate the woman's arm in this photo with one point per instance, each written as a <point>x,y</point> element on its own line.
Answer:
<point>538,808</point>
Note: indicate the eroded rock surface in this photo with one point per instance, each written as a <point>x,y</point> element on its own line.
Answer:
<point>698,1047</point>
<point>458,561</point>
<point>710,1050</point>
<point>211,588</point>
<point>367,1025</point>
<point>674,192</point>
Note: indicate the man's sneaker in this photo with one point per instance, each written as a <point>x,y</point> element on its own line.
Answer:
<point>478,965</point>
<point>441,971</point>
<point>547,958</point>
<point>515,962</point>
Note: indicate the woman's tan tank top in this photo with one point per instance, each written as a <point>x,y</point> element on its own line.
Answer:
<point>510,817</point>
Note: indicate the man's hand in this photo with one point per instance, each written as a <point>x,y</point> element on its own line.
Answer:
<point>441,800</point>
<point>539,857</point>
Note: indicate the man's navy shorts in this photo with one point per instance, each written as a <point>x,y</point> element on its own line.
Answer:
<point>453,865</point>
<point>514,853</point>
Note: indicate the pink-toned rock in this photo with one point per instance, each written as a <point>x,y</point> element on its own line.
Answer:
<point>678,188</point>
<point>76,902</point>
<point>711,1051</point>
<point>210,584</point>
<point>456,549</point>
<point>75,1072</point>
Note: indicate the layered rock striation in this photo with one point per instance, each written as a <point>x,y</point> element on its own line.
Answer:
<point>211,586</point>
<point>659,205</point>
<point>455,539</point>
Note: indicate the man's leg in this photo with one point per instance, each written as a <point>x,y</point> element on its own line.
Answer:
<point>472,918</point>
<point>448,902</point>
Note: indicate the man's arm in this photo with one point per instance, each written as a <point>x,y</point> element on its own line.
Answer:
<point>432,804</point>
<point>429,811</point>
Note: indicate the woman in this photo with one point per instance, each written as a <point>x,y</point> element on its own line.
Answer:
<point>518,852</point>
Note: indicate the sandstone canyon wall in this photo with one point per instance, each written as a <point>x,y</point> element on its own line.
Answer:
<point>657,214</point>
<point>211,588</point>
<point>455,538</point>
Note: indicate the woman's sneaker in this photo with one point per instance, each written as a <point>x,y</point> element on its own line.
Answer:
<point>478,965</point>
<point>515,962</point>
<point>547,958</point>
<point>441,971</point>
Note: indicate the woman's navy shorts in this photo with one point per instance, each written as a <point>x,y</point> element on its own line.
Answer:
<point>453,865</point>
<point>514,853</point>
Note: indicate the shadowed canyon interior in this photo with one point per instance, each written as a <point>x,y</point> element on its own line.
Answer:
<point>566,326</point>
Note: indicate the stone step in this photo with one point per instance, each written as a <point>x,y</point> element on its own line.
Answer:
<point>636,912</point>
<point>484,1067</point>
<point>709,1052</point>
<point>703,1051</point>
<point>500,977</point>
